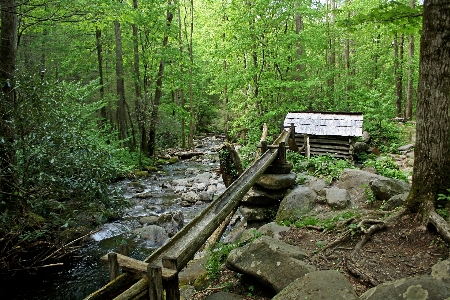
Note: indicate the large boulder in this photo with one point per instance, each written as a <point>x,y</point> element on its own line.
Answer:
<point>273,230</point>
<point>337,198</point>
<point>394,202</point>
<point>152,233</point>
<point>384,188</point>
<point>270,261</point>
<point>171,221</point>
<point>329,284</point>
<point>276,181</point>
<point>357,182</point>
<point>420,287</point>
<point>258,213</point>
<point>299,201</point>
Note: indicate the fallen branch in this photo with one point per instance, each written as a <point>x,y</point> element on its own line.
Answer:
<point>70,243</point>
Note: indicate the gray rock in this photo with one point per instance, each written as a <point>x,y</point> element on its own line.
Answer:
<point>192,271</point>
<point>421,287</point>
<point>405,147</point>
<point>172,221</point>
<point>276,181</point>
<point>206,196</point>
<point>318,186</point>
<point>259,196</point>
<point>270,261</point>
<point>394,202</point>
<point>203,177</point>
<point>223,296</point>
<point>273,230</point>
<point>441,271</point>
<point>275,168</point>
<point>258,213</point>
<point>329,284</point>
<point>337,198</point>
<point>360,147</point>
<point>384,188</point>
<point>190,197</point>
<point>152,233</point>
<point>366,137</point>
<point>150,220</point>
<point>299,201</point>
<point>356,182</point>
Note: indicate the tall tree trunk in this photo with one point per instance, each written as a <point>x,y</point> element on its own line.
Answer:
<point>332,47</point>
<point>298,30</point>
<point>410,89</point>
<point>158,90</point>
<point>121,113</point>
<point>8,52</point>
<point>98,37</point>
<point>180,91</point>
<point>191,66</point>
<point>432,151</point>
<point>137,87</point>
<point>398,57</point>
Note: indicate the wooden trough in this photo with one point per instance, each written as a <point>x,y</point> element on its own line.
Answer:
<point>321,133</point>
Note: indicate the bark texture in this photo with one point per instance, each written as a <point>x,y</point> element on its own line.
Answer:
<point>8,51</point>
<point>432,152</point>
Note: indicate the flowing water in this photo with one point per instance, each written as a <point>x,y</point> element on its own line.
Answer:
<point>86,274</point>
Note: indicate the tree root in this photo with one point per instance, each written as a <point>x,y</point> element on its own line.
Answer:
<point>364,276</point>
<point>442,227</point>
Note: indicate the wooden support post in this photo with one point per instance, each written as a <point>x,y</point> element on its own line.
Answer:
<point>124,249</point>
<point>292,131</point>
<point>113,266</point>
<point>282,153</point>
<point>307,148</point>
<point>172,285</point>
<point>263,146</point>
<point>155,287</point>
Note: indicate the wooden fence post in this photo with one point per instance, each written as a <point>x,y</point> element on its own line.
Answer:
<point>155,287</point>
<point>113,266</point>
<point>172,285</point>
<point>282,153</point>
<point>124,249</point>
<point>263,147</point>
<point>293,131</point>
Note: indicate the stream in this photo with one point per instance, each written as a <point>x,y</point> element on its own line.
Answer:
<point>164,189</point>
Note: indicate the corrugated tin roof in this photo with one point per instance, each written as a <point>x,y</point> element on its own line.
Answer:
<point>325,123</point>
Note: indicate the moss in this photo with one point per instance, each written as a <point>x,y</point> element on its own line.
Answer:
<point>141,173</point>
<point>201,282</point>
<point>173,159</point>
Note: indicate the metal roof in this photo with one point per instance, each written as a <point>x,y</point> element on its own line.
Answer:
<point>325,123</point>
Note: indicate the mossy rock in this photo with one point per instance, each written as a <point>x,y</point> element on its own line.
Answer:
<point>141,173</point>
<point>35,219</point>
<point>201,282</point>
<point>151,168</point>
<point>173,159</point>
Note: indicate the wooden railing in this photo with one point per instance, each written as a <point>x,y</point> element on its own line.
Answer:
<point>160,270</point>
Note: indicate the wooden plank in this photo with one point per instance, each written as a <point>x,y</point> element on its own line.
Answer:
<point>138,266</point>
<point>113,288</point>
<point>299,141</point>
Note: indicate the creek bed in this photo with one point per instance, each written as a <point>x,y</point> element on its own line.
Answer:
<point>85,274</point>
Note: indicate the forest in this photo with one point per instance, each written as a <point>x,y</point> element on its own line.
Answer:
<point>93,90</point>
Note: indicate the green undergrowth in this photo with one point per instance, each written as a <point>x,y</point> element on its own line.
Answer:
<point>327,223</point>
<point>325,166</point>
